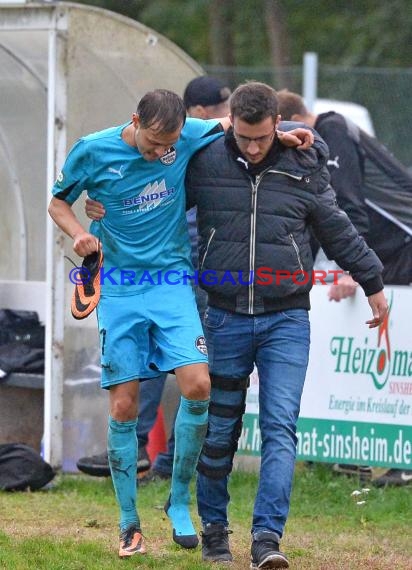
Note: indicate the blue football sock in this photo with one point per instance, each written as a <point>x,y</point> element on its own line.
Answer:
<point>122,452</point>
<point>190,431</point>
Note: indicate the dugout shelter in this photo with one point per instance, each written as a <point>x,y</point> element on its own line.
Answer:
<point>66,70</point>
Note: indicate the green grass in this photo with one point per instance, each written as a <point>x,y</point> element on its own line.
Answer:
<point>73,526</point>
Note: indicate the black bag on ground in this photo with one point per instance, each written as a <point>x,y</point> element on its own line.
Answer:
<point>21,326</point>
<point>16,357</point>
<point>21,342</point>
<point>21,468</point>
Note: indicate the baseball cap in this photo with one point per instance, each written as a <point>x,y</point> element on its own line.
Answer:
<point>205,91</point>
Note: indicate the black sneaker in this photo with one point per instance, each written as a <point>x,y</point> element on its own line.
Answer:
<point>396,477</point>
<point>265,552</point>
<point>98,465</point>
<point>215,543</point>
<point>143,460</point>
<point>364,472</point>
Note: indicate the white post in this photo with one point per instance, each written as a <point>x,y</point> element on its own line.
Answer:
<point>310,79</point>
<point>55,277</point>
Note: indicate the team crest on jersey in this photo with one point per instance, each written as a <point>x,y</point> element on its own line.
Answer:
<point>169,156</point>
<point>200,344</point>
<point>60,177</point>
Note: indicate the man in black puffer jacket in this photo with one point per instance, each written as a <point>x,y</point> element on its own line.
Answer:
<point>256,204</point>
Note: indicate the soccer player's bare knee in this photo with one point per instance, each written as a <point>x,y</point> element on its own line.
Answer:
<point>194,381</point>
<point>198,388</point>
<point>123,403</point>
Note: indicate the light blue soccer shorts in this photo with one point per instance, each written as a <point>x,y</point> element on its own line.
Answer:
<point>141,334</point>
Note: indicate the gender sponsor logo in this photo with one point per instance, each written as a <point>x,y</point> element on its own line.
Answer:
<point>149,198</point>
<point>376,359</point>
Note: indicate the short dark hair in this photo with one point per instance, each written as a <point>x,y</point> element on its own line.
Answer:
<point>291,104</point>
<point>163,107</point>
<point>253,101</point>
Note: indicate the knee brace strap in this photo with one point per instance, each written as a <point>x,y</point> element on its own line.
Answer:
<point>213,472</point>
<point>218,452</point>
<point>226,410</point>
<point>217,471</point>
<point>229,384</point>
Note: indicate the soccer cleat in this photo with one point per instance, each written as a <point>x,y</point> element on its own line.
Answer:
<point>98,465</point>
<point>215,543</point>
<point>395,477</point>
<point>131,542</point>
<point>86,293</point>
<point>265,553</point>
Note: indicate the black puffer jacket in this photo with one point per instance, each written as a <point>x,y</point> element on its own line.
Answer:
<point>255,220</point>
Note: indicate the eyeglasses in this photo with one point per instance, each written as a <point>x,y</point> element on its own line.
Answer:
<point>245,141</point>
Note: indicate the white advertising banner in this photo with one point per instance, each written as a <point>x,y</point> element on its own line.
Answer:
<point>357,401</point>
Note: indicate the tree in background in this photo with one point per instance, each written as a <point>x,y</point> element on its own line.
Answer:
<point>266,39</point>
<point>277,33</point>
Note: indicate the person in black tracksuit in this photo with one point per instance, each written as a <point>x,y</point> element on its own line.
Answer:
<point>257,202</point>
<point>347,168</point>
<point>346,165</point>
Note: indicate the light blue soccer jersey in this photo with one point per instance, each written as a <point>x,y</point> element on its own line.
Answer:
<point>144,232</point>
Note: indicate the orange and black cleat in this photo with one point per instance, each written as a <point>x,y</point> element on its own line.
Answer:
<point>131,542</point>
<point>86,293</point>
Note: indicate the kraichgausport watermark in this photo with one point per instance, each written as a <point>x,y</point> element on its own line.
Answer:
<point>264,276</point>
<point>80,275</point>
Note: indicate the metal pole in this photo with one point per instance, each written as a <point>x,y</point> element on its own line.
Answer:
<point>310,79</point>
<point>54,342</point>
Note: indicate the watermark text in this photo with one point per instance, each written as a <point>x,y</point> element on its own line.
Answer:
<point>264,276</point>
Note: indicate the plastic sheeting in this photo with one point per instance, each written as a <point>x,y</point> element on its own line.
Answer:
<point>65,70</point>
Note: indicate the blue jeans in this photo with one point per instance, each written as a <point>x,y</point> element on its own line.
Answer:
<point>278,343</point>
